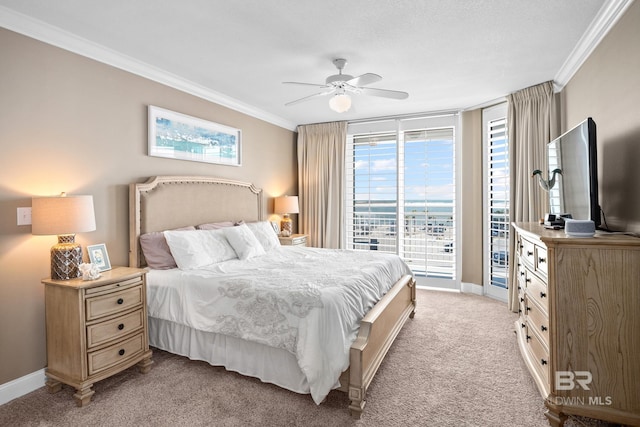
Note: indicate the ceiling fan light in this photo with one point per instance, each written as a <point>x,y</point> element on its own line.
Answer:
<point>340,103</point>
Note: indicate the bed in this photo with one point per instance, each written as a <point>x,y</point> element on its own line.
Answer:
<point>175,202</point>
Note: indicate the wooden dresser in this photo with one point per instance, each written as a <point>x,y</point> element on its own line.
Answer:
<point>95,329</point>
<point>579,324</point>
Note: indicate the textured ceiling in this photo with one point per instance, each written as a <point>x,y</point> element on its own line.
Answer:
<point>448,55</point>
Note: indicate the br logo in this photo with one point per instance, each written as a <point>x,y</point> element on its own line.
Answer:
<point>569,380</point>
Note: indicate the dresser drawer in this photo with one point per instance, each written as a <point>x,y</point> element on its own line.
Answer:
<point>521,272</point>
<point>528,252</point>
<point>103,332</point>
<point>294,240</point>
<point>539,353</point>
<point>299,241</point>
<point>113,303</point>
<point>115,354</point>
<point>541,262</point>
<point>537,320</point>
<point>521,306</point>
<point>537,290</point>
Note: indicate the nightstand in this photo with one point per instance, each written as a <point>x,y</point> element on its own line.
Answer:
<point>95,329</point>
<point>294,240</point>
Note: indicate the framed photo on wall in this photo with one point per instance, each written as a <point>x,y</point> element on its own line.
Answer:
<point>99,257</point>
<point>178,136</point>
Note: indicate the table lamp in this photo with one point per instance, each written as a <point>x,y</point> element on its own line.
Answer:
<point>286,205</point>
<point>63,215</point>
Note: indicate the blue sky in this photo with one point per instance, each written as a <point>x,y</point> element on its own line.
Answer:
<point>428,171</point>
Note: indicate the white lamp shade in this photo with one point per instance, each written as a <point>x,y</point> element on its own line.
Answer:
<point>286,205</point>
<point>340,102</point>
<point>62,215</point>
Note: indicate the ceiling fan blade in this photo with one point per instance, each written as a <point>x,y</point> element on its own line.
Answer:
<point>306,84</point>
<point>395,94</point>
<point>365,79</point>
<point>306,98</point>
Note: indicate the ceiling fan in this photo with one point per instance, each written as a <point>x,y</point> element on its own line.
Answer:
<point>340,84</point>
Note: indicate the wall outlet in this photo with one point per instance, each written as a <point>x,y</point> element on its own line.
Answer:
<point>24,216</point>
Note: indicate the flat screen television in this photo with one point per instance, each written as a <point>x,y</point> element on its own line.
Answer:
<point>575,190</point>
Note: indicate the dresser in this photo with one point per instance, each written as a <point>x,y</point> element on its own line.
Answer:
<point>579,321</point>
<point>293,240</point>
<point>95,329</point>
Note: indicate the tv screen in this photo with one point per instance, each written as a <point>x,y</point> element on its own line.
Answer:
<point>575,191</point>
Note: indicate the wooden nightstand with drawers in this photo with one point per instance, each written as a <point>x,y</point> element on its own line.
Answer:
<point>95,329</point>
<point>294,240</point>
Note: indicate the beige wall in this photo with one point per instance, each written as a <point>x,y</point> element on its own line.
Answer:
<point>68,123</point>
<point>607,88</point>
<point>471,198</point>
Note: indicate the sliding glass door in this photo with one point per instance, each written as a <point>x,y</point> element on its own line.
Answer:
<point>401,196</point>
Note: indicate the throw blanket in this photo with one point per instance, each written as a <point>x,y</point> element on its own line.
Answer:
<point>307,301</point>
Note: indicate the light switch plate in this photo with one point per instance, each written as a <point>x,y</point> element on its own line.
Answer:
<point>24,216</point>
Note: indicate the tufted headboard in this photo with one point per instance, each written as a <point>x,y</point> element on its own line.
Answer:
<point>168,202</point>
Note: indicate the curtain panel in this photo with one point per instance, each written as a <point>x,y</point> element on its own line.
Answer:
<point>321,151</point>
<point>532,123</point>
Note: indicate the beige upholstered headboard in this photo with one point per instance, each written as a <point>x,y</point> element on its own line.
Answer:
<point>168,202</point>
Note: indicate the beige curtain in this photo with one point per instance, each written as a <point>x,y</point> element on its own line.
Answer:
<point>321,151</point>
<point>532,123</point>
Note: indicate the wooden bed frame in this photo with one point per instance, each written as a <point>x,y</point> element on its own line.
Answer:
<point>168,202</point>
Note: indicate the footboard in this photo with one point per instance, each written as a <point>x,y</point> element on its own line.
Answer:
<point>378,330</point>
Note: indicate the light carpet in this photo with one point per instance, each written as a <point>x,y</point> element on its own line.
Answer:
<point>455,364</point>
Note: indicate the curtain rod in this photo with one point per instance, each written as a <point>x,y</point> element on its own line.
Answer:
<point>405,117</point>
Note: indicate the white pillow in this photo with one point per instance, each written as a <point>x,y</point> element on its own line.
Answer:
<point>243,241</point>
<point>198,248</point>
<point>265,234</point>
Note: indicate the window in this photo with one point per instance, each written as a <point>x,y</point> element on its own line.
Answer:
<point>496,201</point>
<point>401,198</point>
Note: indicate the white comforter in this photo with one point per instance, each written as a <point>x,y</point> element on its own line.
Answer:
<point>307,301</point>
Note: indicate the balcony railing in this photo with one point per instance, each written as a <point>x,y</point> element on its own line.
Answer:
<point>425,240</point>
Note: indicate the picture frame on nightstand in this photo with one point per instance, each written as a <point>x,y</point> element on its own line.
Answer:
<point>276,227</point>
<point>99,257</point>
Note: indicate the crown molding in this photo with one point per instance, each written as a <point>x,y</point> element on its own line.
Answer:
<point>607,16</point>
<point>58,37</point>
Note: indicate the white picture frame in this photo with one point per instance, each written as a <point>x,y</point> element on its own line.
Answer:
<point>99,257</point>
<point>179,136</point>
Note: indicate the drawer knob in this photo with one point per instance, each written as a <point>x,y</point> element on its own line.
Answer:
<point>528,280</point>
<point>523,325</point>
<point>543,295</point>
<point>541,260</point>
<point>544,328</point>
<point>121,326</point>
<point>120,301</point>
<point>528,308</point>
<point>543,361</point>
<point>528,338</point>
<point>121,352</point>
<point>521,299</point>
<point>522,273</point>
<point>529,253</point>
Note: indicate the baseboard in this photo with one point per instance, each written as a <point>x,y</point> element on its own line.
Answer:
<point>21,386</point>
<point>471,288</point>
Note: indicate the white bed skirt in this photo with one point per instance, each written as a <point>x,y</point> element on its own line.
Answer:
<point>269,364</point>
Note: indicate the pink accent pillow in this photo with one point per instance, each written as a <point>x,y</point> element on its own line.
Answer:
<point>156,250</point>
<point>215,225</point>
